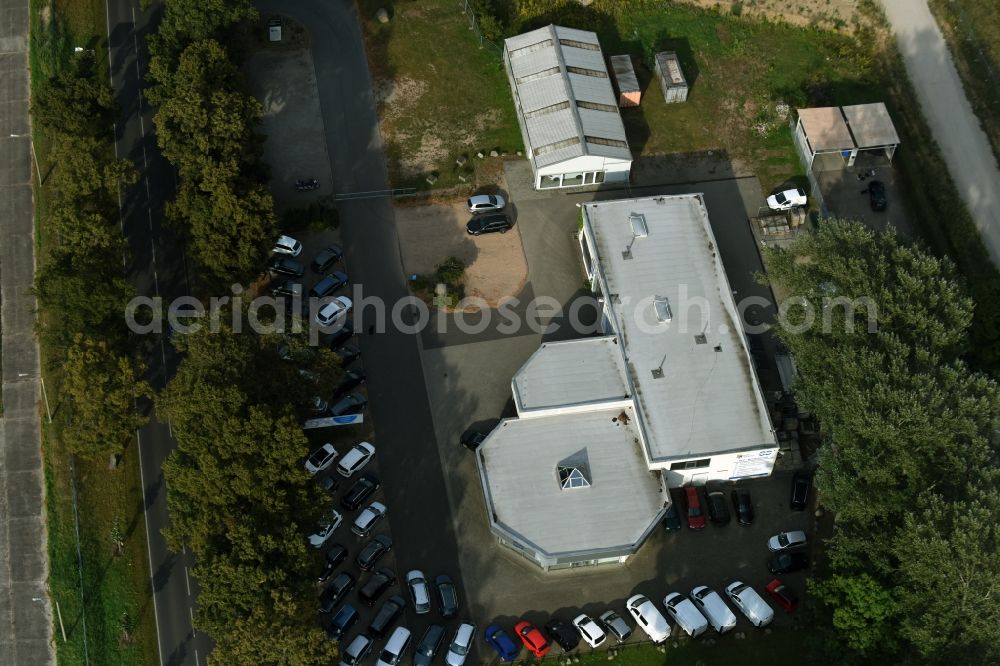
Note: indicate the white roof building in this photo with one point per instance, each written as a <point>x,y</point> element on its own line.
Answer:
<point>669,396</point>
<point>566,108</point>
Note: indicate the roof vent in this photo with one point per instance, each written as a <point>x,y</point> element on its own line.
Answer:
<point>571,478</point>
<point>661,304</point>
<point>701,339</point>
<point>638,222</point>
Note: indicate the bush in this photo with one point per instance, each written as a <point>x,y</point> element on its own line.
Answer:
<point>450,271</point>
<point>736,9</point>
<point>317,216</point>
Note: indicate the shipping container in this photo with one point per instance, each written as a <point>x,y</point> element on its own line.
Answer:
<point>626,82</point>
<point>668,68</point>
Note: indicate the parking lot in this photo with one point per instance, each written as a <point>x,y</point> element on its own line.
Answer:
<point>846,196</point>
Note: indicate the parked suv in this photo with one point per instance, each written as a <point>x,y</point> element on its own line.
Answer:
<point>489,224</point>
<point>342,622</point>
<point>387,615</point>
<point>379,582</point>
<point>750,603</point>
<point>336,592</point>
<point>362,489</point>
<point>395,647</point>
<point>372,551</point>
<point>356,650</point>
<point>287,245</point>
<point>713,608</point>
<point>352,461</point>
<point>329,284</point>
<point>485,203</point>
<point>695,516</point>
<point>429,645</point>
<point>649,618</point>
<point>285,265</point>
<point>684,613</point>
<point>326,258</point>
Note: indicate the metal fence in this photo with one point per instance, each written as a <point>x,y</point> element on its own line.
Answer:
<point>474,26</point>
<point>377,194</point>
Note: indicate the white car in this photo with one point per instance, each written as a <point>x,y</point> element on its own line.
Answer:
<point>419,591</point>
<point>334,310</point>
<point>787,199</point>
<point>287,245</point>
<point>713,608</point>
<point>395,647</point>
<point>649,618</point>
<point>460,645</point>
<point>750,603</point>
<point>326,531</point>
<point>786,540</point>
<point>684,613</point>
<point>320,459</point>
<point>589,630</point>
<point>482,203</point>
<point>356,651</point>
<point>368,519</point>
<point>355,459</point>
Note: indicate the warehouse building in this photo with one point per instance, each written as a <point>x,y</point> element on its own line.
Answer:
<point>566,108</point>
<point>668,396</point>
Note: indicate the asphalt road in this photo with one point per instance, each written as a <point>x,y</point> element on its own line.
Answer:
<point>411,472</point>
<point>157,268</point>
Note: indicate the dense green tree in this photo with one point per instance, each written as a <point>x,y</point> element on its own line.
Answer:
<point>864,612</point>
<point>185,21</point>
<point>74,103</point>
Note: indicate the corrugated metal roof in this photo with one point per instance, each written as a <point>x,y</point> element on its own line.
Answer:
<point>871,125</point>
<point>542,50</point>
<point>572,372</point>
<point>825,128</point>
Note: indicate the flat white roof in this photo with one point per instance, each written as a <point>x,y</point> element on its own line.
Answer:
<point>580,372</point>
<point>692,377</point>
<point>519,468</point>
<point>566,104</point>
<point>871,125</point>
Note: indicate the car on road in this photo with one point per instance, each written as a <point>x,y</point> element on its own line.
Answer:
<point>287,245</point>
<point>429,645</point>
<point>649,618</point>
<point>532,638</point>
<point>485,203</point>
<point>395,647</point>
<point>388,614</point>
<point>504,645</point>
<point>718,508</point>
<point>334,310</point>
<point>471,439</point>
<point>713,608</point>
<point>447,595</point>
<point>782,595</point>
<point>460,644</point>
<point>786,541</point>
<point>342,622</point>
<point>333,558</point>
<point>373,550</point>
<point>788,562</point>
<point>589,630</point>
<point>349,404</point>
<point>672,518</point>
<point>751,604</point>
<point>616,625</point>
<point>368,519</point>
<point>489,224</point>
<point>682,611</point>
<point>376,585</point>
<point>290,288</point>
<point>321,458</point>
<point>743,506</point>
<point>358,494</point>
<point>356,650</point>
<point>335,592</point>
<point>347,354</point>
<point>420,591</point>
<point>787,199</point>
<point>878,199</point>
<point>564,634</point>
<point>344,332</point>
<point>351,379</point>
<point>328,285</point>
<point>326,530</point>
<point>695,516</point>
<point>326,258</point>
<point>801,483</point>
<point>285,265</point>
<point>355,459</point>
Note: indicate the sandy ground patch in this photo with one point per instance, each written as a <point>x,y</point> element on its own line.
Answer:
<point>822,13</point>
<point>495,263</point>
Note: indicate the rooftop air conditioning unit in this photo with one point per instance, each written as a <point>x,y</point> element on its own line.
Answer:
<point>663,313</point>
<point>638,222</point>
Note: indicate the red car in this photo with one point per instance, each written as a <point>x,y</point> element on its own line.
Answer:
<point>783,596</point>
<point>695,516</point>
<point>532,638</point>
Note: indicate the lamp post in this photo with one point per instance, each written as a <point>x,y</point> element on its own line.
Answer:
<point>34,158</point>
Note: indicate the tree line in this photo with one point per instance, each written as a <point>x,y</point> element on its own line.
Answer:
<point>909,466</point>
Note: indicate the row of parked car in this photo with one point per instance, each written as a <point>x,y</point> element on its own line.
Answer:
<point>718,509</point>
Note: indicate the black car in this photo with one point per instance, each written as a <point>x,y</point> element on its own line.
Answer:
<point>350,404</point>
<point>489,224</point>
<point>372,551</point>
<point>350,379</point>
<point>329,483</point>
<point>387,615</point>
<point>718,508</point>
<point>447,595</point>
<point>328,285</point>
<point>362,489</point>
<point>565,635</point>
<point>428,646</point>
<point>335,593</point>
<point>795,560</point>
<point>344,333</point>
<point>801,483</point>
<point>672,519</point>
<point>284,265</point>
<point>377,584</point>
<point>333,558</point>
<point>326,258</point>
<point>347,354</point>
<point>471,439</point>
<point>342,622</point>
<point>289,288</point>
<point>877,197</point>
<point>743,506</point>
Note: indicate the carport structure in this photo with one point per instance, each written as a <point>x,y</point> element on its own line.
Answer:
<point>845,131</point>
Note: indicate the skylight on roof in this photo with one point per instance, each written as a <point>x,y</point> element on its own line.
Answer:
<point>571,478</point>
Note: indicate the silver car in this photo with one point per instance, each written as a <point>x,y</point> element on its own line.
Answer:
<point>786,541</point>
<point>485,203</point>
<point>617,626</point>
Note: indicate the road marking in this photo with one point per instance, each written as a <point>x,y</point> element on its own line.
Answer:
<point>196,660</point>
<point>187,580</point>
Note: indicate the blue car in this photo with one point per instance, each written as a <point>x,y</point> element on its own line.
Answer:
<point>501,642</point>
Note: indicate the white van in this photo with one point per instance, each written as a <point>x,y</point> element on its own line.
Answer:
<point>713,608</point>
<point>356,651</point>
<point>685,614</point>
<point>750,603</point>
<point>395,647</point>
